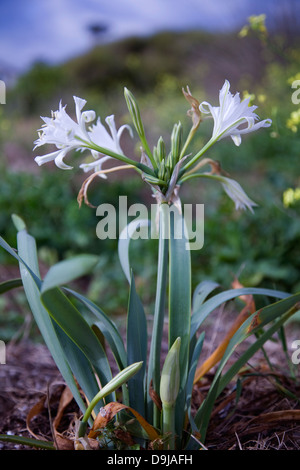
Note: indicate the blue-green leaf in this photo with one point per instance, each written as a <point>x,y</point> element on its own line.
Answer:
<point>31,283</point>
<point>107,327</point>
<point>205,309</point>
<point>136,348</point>
<point>180,304</point>
<point>66,271</point>
<point>124,242</point>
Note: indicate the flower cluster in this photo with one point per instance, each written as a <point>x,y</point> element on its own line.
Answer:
<point>164,171</point>
<point>67,135</point>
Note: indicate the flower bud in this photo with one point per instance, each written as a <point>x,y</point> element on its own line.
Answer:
<point>161,149</point>
<point>176,142</point>
<point>134,111</point>
<point>170,376</point>
<point>161,170</point>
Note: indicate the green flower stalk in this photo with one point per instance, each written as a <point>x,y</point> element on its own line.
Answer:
<point>113,385</point>
<point>169,389</point>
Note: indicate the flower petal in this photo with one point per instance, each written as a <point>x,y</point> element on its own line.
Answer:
<point>231,114</point>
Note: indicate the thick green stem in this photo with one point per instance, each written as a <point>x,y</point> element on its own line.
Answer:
<point>169,426</point>
<point>159,311</point>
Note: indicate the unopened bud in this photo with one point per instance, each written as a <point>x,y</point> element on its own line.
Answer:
<point>176,142</point>
<point>170,376</point>
<point>134,111</point>
<point>161,149</point>
<point>161,170</point>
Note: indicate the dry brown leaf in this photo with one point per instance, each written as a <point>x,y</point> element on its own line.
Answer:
<point>109,411</point>
<point>60,441</point>
<point>154,396</point>
<point>33,412</point>
<point>277,416</point>
<point>65,400</point>
<point>124,436</point>
<point>263,422</point>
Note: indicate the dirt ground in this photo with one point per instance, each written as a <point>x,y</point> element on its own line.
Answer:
<point>264,415</point>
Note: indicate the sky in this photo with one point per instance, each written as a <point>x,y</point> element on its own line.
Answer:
<point>56,30</point>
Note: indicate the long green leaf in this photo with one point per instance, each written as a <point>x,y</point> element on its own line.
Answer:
<point>14,253</point>
<point>253,324</point>
<point>31,283</point>
<point>27,249</point>
<point>136,348</point>
<point>179,304</point>
<point>153,376</point>
<point>8,285</point>
<point>124,243</point>
<point>278,313</point>
<point>74,325</point>
<point>107,327</point>
<point>79,365</point>
<point>205,309</point>
<point>201,292</point>
<point>66,271</point>
<point>190,381</point>
<point>28,441</point>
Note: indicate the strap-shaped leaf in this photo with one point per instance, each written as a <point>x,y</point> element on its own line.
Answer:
<point>124,243</point>
<point>201,292</point>
<point>8,285</point>
<point>55,304</point>
<point>277,314</point>
<point>74,325</point>
<point>66,271</point>
<point>136,348</point>
<point>153,375</point>
<point>79,365</point>
<point>205,309</point>
<point>190,381</point>
<point>107,327</point>
<point>179,303</point>
<point>31,282</point>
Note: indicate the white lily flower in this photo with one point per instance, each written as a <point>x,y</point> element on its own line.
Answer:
<point>100,136</point>
<point>66,134</point>
<point>233,117</point>
<point>234,190</point>
<point>61,131</point>
<point>95,166</point>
